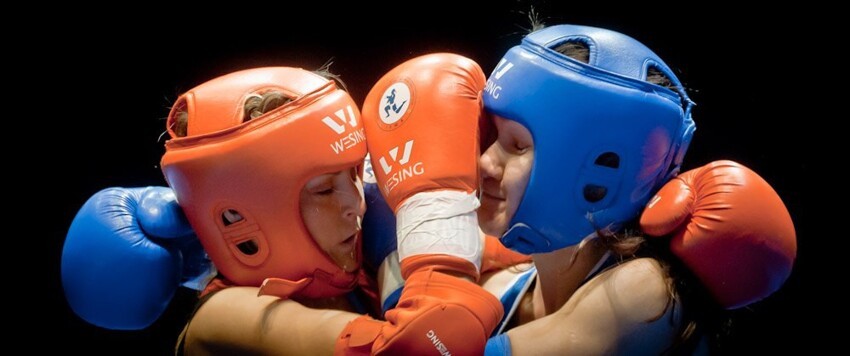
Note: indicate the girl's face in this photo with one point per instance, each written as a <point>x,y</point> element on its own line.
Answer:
<point>505,169</point>
<point>332,207</point>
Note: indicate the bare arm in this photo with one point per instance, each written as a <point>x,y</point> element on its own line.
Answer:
<point>236,321</point>
<point>623,310</point>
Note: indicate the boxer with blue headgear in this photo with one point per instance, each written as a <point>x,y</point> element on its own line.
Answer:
<point>605,139</point>
<point>591,124</point>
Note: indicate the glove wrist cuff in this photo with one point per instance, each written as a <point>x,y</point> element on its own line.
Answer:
<point>358,337</point>
<point>438,263</point>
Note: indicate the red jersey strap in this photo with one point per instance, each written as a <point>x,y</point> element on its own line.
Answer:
<point>215,285</point>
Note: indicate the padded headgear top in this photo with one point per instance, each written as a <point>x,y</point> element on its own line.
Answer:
<point>257,169</point>
<point>605,139</point>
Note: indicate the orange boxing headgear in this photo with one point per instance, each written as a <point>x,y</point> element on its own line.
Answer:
<point>256,170</point>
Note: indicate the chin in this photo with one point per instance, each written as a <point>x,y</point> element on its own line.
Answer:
<point>348,266</point>
<point>493,226</point>
<point>346,263</point>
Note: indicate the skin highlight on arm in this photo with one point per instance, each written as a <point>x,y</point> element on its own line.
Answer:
<point>624,309</point>
<point>236,320</point>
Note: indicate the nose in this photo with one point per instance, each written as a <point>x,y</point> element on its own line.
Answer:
<point>351,199</point>
<point>491,163</point>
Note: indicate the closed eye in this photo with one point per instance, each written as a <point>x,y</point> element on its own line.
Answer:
<point>520,149</point>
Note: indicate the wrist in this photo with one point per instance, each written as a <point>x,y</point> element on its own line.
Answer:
<point>440,223</point>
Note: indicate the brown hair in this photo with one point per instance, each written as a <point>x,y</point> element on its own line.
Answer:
<point>700,312</point>
<point>258,104</point>
<point>701,315</point>
<point>255,106</point>
<point>575,49</point>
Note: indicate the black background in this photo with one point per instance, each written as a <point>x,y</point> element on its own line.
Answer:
<point>115,85</point>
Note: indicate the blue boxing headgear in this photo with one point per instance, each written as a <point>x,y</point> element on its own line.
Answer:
<point>605,139</point>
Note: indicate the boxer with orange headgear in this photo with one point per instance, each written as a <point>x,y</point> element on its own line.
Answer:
<point>275,199</point>
<point>265,164</point>
<point>240,181</point>
<point>260,244</point>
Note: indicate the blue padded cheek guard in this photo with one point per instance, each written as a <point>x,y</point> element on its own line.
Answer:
<point>576,113</point>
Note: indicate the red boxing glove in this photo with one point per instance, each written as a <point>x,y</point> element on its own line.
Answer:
<point>729,227</point>
<point>497,256</point>
<point>433,317</point>
<point>421,122</point>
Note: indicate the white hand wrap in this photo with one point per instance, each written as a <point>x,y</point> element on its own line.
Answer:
<point>440,222</point>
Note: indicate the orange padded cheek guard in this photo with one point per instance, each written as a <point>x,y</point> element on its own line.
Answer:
<point>258,169</point>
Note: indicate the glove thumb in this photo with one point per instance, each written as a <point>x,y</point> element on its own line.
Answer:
<point>670,207</point>
<point>159,214</point>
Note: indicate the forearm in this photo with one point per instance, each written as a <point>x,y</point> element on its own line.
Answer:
<point>235,320</point>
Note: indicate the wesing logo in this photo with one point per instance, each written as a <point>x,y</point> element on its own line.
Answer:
<point>338,126</point>
<point>491,88</point>
<point>405,171</point>
<point>438,344</point>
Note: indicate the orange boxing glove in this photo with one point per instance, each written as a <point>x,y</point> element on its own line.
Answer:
<point>729,227</point>
<point>433,317</point>
<point>497,256</point>
<point>421,122</point>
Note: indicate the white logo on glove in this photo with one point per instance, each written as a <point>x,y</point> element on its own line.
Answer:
<point>439,345</point>
<point>405,172</point>
<point>408,147</point>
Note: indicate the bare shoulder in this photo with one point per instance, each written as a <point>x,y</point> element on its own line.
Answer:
<point>640,289</point>
<point>627,309</point>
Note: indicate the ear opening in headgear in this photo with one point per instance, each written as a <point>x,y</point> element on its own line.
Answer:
<point>594,193</point>
<point>243,236</point>
<point>249,247</point>
<point>230,217</point>
<point>608,159</point>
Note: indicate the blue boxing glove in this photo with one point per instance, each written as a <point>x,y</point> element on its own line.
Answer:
<point>499,345</point>
<point>379,240</point>
<point>126,253</point>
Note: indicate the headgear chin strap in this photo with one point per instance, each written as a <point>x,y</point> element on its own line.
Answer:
<point>605,139</point>
<point>257,170</point>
